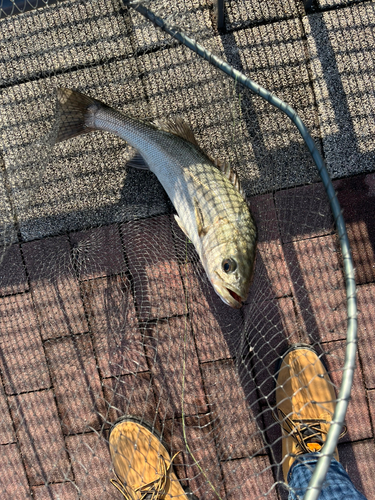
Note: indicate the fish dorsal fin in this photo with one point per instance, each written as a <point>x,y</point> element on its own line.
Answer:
<point>179,127</point>
<point>230,174</point>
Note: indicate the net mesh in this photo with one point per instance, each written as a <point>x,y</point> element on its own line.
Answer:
<point>105,307</point>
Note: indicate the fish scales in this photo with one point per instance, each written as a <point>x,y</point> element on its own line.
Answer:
<point>180,168</point>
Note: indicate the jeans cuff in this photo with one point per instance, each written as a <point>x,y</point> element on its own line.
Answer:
<point>306,458</point>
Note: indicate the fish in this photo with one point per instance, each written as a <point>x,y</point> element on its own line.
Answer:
<point>211,206</point>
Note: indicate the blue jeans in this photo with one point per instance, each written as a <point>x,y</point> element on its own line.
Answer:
<point>337,485</point>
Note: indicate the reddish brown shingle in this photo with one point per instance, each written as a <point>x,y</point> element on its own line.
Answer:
<point>66,491</point>
<point>271,275</point>
<point>6,427</point>
<point>117,338</point>
<point>233,403</point>
<point>249,478</point>
<point>22,361</point>
<point>270,327</point>
<point>13,485</point>
<point>264,212</point>
<point>39,433</point>
<point>153,264</point>
<point>98,252</point>
<point>216,326</point>
<point>76,383</point>
<point>12,271</point>
<point>175,369</point>
<point>358,461</point>
<point>366,332</point>
<point>130,395</point>
<point>54,286</point>
<point>318,287</point>
<point>356,197</point>
<point>303,212</point>
<point>198,465</point>
<point>92,467</point>
<point>357,416</point>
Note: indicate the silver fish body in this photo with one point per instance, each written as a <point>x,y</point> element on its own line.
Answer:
<point>211,208</point>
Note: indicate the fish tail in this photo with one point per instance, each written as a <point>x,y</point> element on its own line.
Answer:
<point>76,114</point>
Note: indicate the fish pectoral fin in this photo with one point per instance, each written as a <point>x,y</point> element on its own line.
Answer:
<point>202,230</point>
<point>181,225</point>
<point>137,161</point>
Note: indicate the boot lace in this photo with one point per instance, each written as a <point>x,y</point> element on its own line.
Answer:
<point>307,432</point>
<point>154,490</point>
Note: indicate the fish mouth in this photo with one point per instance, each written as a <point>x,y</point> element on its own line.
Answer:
<point>228,295</point>
<point>235,296</point>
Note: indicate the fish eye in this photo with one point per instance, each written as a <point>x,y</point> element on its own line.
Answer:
<point>229,265</point>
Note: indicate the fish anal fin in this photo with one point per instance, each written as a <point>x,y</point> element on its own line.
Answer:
<point>179,127</point>
<point>137,161</point>
<point>202,229</point>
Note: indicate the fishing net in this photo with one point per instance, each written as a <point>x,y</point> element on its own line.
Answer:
<point>105,307</point>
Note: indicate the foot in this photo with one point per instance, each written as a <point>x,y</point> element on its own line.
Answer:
<point>305,403</point>
<point>142,463</point>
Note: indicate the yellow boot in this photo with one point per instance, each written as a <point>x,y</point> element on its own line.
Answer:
<point>142,463</point>
<point>305,403</point>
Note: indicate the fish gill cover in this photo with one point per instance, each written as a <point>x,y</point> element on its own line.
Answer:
<point>106,309</point>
